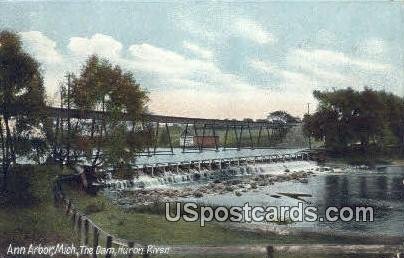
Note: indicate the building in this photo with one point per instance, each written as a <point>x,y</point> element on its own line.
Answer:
<point>207,141</point>
<point>191,140</point>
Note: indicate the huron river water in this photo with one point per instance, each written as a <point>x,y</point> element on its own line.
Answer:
<point>338,185</point>
<point>382,190</point>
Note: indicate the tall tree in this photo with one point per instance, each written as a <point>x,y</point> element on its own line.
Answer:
<point>102,86</point>
<point>282,116</point>
<point>345,117</point>
<point>22,96</point>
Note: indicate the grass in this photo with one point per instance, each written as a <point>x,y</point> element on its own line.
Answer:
<point>153,228</point>
<point>36,221</point>
<point>370,158</point>
<point>148,228</point>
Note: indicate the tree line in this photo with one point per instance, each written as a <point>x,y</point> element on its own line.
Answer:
<point>348,118</point>
<point>344,117</point>
<point>99,86</point>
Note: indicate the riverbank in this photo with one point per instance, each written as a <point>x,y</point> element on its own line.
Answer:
<point>27,213</point>
<point>146,227</point>
<point>323,186</point>
<point>40,222</point>
<point>150,227</point>
<point>357,157</point>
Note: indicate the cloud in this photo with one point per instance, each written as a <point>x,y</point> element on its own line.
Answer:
<point>196,85</point>
<point>210,104</point>
<point>99,44</point>
<point>155,68</point>
<point>44,49</point>
<point>309,69</point>
<point>332,58</point>
<point>252,30</point>
<point>41,47</point>
<point>224,28</point>
<point>176,71</point>
<point>325,38</point>
<point>288,80</point>
<point>262,66</point>
<point>332,69</point>
<point>373,46</point>
<point>197,50</point>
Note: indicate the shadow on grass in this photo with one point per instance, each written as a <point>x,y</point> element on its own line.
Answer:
<point>27,214</point>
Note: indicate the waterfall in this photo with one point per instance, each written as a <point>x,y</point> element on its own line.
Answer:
<point>170,178</point>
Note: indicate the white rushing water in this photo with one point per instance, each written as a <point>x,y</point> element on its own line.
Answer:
<point>171,179</point>
<point>338,187</point>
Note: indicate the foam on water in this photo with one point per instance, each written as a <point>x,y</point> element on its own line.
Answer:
<point>171,179</point>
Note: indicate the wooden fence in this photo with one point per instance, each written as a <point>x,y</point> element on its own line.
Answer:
<point>93,236</point>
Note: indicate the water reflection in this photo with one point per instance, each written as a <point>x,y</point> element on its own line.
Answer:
<point>397,189</point>
<point>383,190</point>
<point>381,182</point>
<point>363,187</point>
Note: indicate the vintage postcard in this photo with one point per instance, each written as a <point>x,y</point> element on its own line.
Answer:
<point>202,129</point>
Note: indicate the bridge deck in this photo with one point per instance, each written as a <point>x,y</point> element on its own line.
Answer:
<point>91,114</point>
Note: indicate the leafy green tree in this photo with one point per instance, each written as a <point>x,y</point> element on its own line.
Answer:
<point>22,97</point>
<point>282,116</point>
<point>346,117</point>
<point>104,87</point>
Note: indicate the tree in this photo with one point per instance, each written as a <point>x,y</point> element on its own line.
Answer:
<point>22,96</point>
<point>346,117</point>
<point>104,87</point>
<point>281,116</point>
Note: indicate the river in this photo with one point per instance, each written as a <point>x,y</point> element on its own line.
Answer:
<point>382,189</point>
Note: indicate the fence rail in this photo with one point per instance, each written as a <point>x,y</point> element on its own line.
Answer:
<point>92,235</point>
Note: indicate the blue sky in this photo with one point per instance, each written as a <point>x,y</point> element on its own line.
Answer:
<point>221,59</point>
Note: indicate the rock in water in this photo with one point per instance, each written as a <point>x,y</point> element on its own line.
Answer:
<point>198,194</point>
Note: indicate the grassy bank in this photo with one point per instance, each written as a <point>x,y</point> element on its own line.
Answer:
<point>30,217</point>
<point>370,157</point>
<point>27,214</point>
<point>153,228</point>
<point>146,227</point>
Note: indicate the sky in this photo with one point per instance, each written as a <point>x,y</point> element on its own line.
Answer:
<point>220,59</point>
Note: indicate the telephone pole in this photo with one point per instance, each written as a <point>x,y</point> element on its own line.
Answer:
<point>308,113</point>
<point>68,120</point>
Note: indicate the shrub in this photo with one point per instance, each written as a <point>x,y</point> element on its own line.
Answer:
<point>18,191</point>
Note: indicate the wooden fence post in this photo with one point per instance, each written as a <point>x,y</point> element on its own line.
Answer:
<point>55,195</point>
<point>270,251</point>
<point>69,205</point>
<point>86,231</point>
<point>74,219</point>
<point>95,240</point>
<point>79,222</point>
<point>108,246</point>
<point>131,245</point>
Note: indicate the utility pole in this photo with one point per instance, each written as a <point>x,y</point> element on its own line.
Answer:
<point>61,128</point>
<point>68,119</point>
<point>308,113</point>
